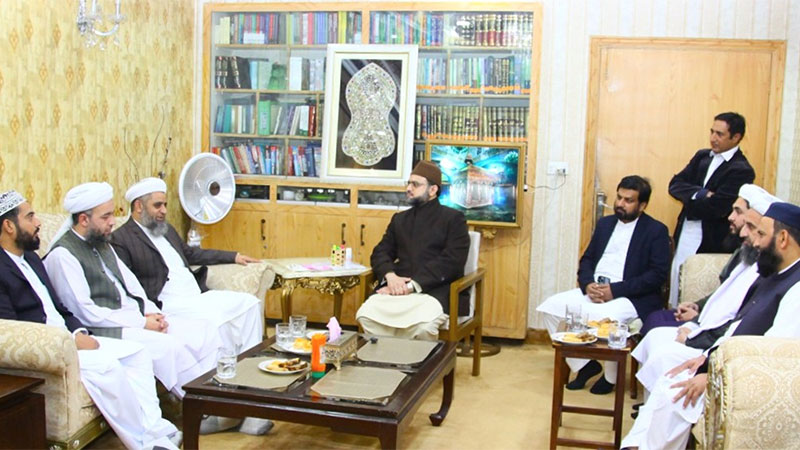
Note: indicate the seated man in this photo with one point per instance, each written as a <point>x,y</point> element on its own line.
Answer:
<point>620,274</point>
<point>664,347</point>
<point>118,375</point>
<point>155,253</point>
<point>423,250</point>
<point>689,311</point>
<point>770,308</point>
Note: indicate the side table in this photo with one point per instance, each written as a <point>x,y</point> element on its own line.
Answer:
<point>22,419</point>
<point>334,282</point>
<point>599,351</point>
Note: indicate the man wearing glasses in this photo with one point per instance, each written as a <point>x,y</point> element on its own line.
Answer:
<point>423,250</point>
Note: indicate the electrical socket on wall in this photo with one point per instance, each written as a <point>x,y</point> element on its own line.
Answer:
<point>557,168</point>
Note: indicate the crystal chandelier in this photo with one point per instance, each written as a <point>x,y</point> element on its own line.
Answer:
<point>90,24</point>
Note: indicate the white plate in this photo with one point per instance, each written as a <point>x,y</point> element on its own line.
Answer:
<point>603,338</point>
<point>559,337</point>
<point>311,333</point>
<point>295,350</point>
<point>264,365</point>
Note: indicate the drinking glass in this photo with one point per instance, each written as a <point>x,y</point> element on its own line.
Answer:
<point>618,335</point>
<point>226,363</point>
<point>283,335</point>
<point>573,317</point>
<point>298,326</point>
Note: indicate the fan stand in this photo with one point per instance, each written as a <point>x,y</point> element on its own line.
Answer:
<point>193,237</point>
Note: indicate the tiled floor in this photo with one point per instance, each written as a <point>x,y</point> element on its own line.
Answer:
<point>507,407</point>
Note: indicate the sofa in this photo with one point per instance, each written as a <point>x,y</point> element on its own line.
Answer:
<point>753,394</point>
<point>35,350</point>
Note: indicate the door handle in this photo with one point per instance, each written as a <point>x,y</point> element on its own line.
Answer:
<point>600,205</point>
<point>263,234</point>
<point>362,234</point>
<point>344,225</point>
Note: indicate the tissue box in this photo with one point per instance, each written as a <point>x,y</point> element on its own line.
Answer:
<point>341,349</point>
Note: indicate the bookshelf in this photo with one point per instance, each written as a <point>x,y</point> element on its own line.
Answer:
<point>477,83</point>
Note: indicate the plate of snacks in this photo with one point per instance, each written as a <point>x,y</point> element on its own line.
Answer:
<point>283,366</point>
<point>601,327</point>
<point>301,346</point>
<point>311,333</point>
<point>571,338</point>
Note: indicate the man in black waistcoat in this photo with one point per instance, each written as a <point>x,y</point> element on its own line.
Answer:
<point>769,309</point>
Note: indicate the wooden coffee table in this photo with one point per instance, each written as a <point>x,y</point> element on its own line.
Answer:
<point>297,404</point>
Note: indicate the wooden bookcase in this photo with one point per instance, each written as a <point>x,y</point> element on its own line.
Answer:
<point>477,83</point>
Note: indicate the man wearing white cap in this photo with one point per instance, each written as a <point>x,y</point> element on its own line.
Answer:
<point>155,253</point>
<point>665,347</point>
<point>103,293</point>
<point>770,308</point>
<point>117,374</point>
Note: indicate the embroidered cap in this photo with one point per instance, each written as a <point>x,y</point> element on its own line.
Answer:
<point>144,187</point>
<point>428,170</point>
<point>10,200</point>
<point>786,213</point>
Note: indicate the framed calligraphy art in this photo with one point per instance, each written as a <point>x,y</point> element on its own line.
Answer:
<point>368,126</point>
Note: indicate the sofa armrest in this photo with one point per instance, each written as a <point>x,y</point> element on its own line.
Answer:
<point>36,347</point>
<point>753,394</point>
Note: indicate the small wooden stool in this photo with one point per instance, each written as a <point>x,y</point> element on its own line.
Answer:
<point>599,351</point>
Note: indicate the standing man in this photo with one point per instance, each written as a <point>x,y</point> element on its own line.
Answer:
<point>707,187</point>
<point>118,375</point>
<point>423,250</point>
<point>155,253</point>
<point>620,275</point>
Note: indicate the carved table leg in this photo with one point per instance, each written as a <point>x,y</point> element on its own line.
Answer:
<point>447,397</point>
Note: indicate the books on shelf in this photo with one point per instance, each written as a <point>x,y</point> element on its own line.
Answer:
<point>236,116</point>
<point>264,158</point>
<point>471,123</point>
<point>250,28</point>
<point>485,75</point>
<point>306,74</point>
<point>435,29</point>
<point>319,28</point>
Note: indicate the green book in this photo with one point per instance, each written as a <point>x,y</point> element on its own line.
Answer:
<point>264,119</point>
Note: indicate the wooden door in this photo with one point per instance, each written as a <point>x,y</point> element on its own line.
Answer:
<point>242,230</point>
<point>370,231</point>
<point>651,104</point>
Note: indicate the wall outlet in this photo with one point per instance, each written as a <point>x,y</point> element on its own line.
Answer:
<point>557,168</point>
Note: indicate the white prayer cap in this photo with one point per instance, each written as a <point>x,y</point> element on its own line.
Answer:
<point>144,187</point>
<point>758,198</point>
<point>86,196</point>
<point>10,200</point>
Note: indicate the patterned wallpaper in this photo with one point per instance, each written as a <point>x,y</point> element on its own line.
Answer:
<point>68,114</point>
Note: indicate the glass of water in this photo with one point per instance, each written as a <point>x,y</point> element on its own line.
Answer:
<point>298,326</point>
<point>226,363</point>
<point>618,335</point>
<point>573,317</point>
<point>283,335</point>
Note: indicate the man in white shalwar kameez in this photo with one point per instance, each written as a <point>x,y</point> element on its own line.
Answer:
<point>159,258</point>
<point>113,303</point>
<point>678,397</point>
<point>665,347</point>
<point>117,374</point>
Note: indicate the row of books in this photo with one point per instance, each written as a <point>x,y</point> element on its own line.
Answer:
<point>251,28</point>
<point>234,118</point>
<point>474,75</point>
<point>235,72</point>
<point>471,123</point>
<point>306,74</point>
<point>314,28</point>
<point>435,29</point>
<point>272,159</point>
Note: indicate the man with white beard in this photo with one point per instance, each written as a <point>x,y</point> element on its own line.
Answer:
<point>159,258</point>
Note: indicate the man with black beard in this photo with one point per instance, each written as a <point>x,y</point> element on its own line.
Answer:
<point>423,250</point>
<point>620,275</point>
<point>770,308</point>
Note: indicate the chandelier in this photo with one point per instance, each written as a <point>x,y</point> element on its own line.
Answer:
<point>91,24</point>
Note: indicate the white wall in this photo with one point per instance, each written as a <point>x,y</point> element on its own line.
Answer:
<point>567,28</point>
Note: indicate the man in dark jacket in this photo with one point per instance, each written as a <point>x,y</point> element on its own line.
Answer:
<point>707,187</point>
<point>423,250</point>
<point>620,274</point>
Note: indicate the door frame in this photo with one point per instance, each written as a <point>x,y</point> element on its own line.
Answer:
<point>599,44</point>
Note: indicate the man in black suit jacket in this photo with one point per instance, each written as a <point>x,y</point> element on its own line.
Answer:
<point>620,274</point>
<point>117,375</point>
<point>707,187</point>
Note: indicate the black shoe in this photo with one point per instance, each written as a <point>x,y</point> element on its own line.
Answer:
<point>601,386</point>
<point>636,406</point>
<point>588,371</point>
